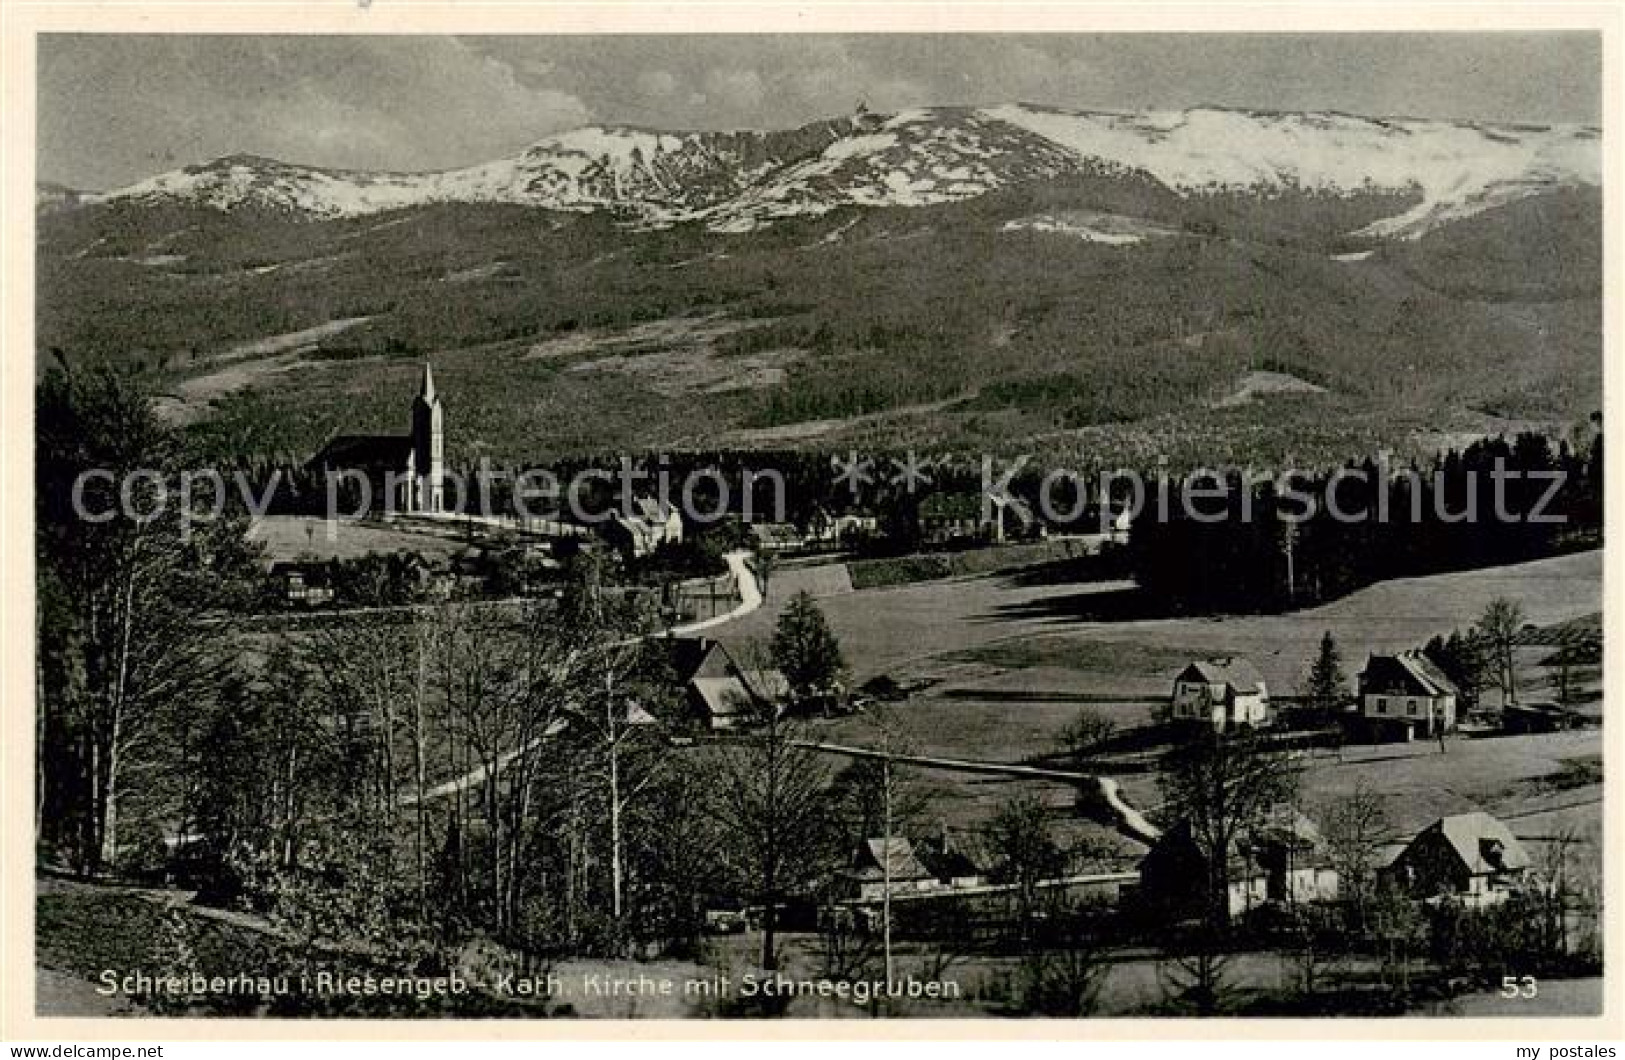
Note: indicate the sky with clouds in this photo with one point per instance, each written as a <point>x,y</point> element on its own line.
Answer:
<point>113,109</point>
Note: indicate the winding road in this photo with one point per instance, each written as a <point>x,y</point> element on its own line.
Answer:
<point>1125,818</point>
<point>750,598</point>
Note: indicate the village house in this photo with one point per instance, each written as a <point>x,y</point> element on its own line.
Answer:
<point>1280,860</point>
<point>302,583</point>
<point>1470,858</point>
<point>391,473</point>
<point>879,862</point>
<point>824,528</point>
<point>1405,696</point>
<point>966,518</point>
<point>644,527</point>
<point>1525,718</point>
<point>776,537</point>
<point>719,694</point>
<point>953,867</point>
<point>1117,525</point>
<point>1227,693</point>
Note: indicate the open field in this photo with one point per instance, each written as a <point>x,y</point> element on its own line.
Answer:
<point>912,630</point>
<point>289,537</point>
<point>1006,665</point>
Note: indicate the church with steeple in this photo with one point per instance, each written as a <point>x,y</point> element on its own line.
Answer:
<point>398,472</point>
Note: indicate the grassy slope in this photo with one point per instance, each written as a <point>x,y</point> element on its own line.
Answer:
<point>1012,666</point>
<point>1099,351</point>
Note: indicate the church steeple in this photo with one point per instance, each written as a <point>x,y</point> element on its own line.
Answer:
<point>428,446</point>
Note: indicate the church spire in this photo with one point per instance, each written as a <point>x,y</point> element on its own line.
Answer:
<point>427,390</point>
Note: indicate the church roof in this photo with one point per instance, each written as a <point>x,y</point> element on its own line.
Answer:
<point>364,450</point>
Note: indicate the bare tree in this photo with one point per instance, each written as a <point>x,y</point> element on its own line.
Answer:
<point>1024,854</point>
<point>503,694</point>
<point>1312,950</point>
<point>1355,828</point>
<point>1086,732</point>
<point>878,800</point>
<point>121,596</point>
<point>771,797</point>
<point>609,714</point>
<point>367,670</point>
<point>1499,625</point>
<point>1224,785</point>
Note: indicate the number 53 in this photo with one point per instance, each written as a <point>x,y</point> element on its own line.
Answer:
<point>1516,986</point>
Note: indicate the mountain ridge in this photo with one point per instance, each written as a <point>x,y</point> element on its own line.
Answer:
<point>740,180</point>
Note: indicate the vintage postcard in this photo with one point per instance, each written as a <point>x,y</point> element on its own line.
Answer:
<point>540,517</point>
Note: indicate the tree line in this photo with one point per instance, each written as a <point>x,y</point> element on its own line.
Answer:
<point>1253,546</point>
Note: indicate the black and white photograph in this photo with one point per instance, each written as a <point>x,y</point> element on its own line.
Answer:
<point>818,526</point>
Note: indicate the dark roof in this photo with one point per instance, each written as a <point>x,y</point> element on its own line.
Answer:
<point>1482,843</point>
<point>1282,826</point>
<point>875,856</point>
<point>1408,673</point>
<point>364,450</point>
<point>725,688</point>
<point>776,533</point>
<point>1240,674</point>
<point>693,657</point>
<point>944,861</point>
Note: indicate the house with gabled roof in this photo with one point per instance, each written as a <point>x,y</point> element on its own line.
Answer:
<point>948,517</point>
<point>1406,695</point>
<point>776,537</point>
<point>720,693</point>
<point>1471,858</point>
<point>1279,859</point>
<point>879,863</point>
<point>953,866</point>
<point>645,526</point>
<point>1226,693</point>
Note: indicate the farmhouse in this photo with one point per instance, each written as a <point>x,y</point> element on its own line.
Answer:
<point>961,518</point>
<point>1406,696</point>
<point>1470,858</point>
<point>301,583</point>
<point>776,537</point>
<point>646,526</point>
<point>951,866</point>
<point>827,529</point>
<point>718,692</point>
<point>1279,860</point>
<point>1522,718</point>
<point>392,472</point>
<point>1226,693</point>
<point>877,862</point>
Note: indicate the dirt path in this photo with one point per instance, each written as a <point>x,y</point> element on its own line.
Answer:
<point>750,598</point>
<point>1129,821</point>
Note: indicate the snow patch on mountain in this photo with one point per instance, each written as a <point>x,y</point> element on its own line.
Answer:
<point>737,181</point>
<point>1091,227</point>
<point>1457,169</point>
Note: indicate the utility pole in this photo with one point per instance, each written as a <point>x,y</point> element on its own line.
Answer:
<point>885,898</point>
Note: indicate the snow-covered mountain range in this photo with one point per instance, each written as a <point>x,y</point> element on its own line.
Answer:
<point>738,181</point>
